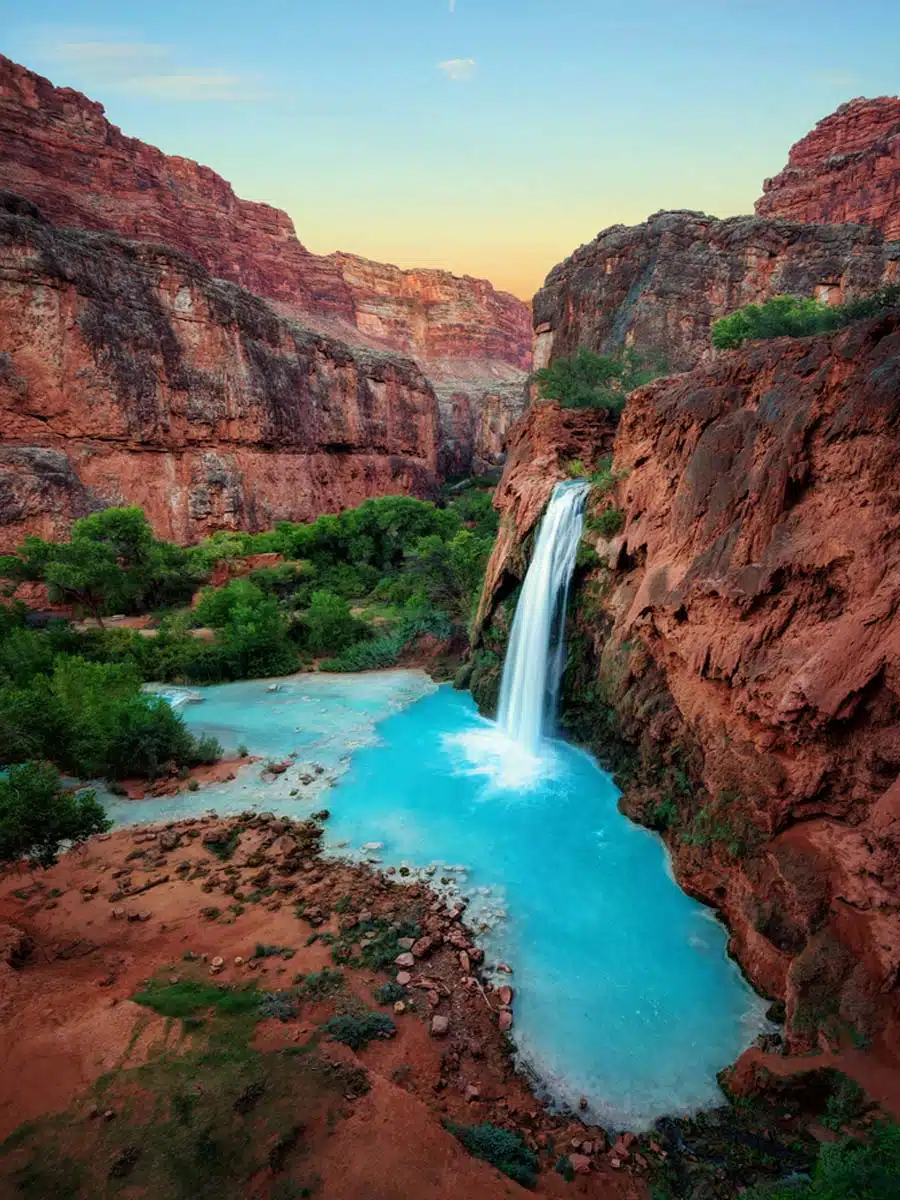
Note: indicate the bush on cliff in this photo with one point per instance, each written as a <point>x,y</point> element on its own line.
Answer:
<point>38,815</point>
<point>847,1170</point>
<point>797,316</point>
<point>589,380</point>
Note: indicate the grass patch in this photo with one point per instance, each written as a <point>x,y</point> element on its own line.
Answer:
<point>188,997</point>
<point>319,985</point>
<point>356,1030</point>
<point>390,993</point>
<point>504,1150</point>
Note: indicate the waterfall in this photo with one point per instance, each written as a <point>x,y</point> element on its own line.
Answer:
<point>536,655</point>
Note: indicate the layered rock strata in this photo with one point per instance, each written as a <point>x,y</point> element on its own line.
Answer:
<point>846,170</point>
<point>58,150</point>
<point>129,375</point>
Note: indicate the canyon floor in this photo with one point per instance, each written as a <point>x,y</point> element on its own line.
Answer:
<point>121,1100</point>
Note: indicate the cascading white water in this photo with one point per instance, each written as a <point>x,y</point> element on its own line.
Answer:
<point>535,658</point>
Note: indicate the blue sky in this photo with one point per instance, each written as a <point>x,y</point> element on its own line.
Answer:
<point>548,120</point>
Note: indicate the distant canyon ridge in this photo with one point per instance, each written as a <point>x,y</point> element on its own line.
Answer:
<point>166,343</point>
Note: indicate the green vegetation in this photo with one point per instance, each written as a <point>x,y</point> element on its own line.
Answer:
<point>38,815</point>
<point>355,591</point>
<point>206,1117</point>
<point>847,1170</point>
<point>589,380</point>
<point>390,993</point>
<point>797,316</point>
<point>356,1030</point>
<point>188,997</point>
<point>504,1150</point>
<point>717,823</point>
<point>609,522</point>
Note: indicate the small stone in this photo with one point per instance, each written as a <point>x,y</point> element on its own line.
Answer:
<point>217,965</point>
<point>581,1164</point>
<point>505,968</point>
<point>118,914</point>
<point>403,978</point>
<point>440,1026</point>
<point>169,840</point>
<point>505,1020</point>
<point>406,943</point>
<point>405,960</point>
<point>108,1115</point>
<point>582,1103</point>
<point>465,962</point>
<point>434,999</point>
<point>399,1007</point>
<point>472,1093</point>
<point>174,979</point>
<point>505,996</point>
<point>238,962</point>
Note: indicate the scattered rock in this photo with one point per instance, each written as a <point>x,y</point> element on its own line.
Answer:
<point>169,840</point>
<point>399,1007</point>
<point>405,960</point>
<point>217,966</point>
<point>505,996</point>
<point>406,943</point>
<point>440,1026</point>
<point>505,1020</point>
<point>581,1164</point>
<point>403,978</point>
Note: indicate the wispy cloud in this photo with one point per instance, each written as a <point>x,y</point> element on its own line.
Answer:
<point>837,78</point>
<point>460,70</point>
<point>148,69</point>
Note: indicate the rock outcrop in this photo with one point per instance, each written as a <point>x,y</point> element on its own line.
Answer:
<point>58,150</point>
<point>743,636</point>
<point>129,375</point>
<point>846,170</point>
<point>659,286</point>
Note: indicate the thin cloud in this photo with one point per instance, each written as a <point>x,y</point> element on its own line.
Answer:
<point>837,78</point>
<point>149,70</point>
<point>453,5</point>
<point>460,70</point>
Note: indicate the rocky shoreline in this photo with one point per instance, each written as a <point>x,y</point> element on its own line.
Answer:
<point>233,901</point>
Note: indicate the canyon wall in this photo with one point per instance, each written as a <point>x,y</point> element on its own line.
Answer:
<point>659,286</point>
<point>58,150</point>
<point>846,170</point>
<point>736,652</point>
<point>129,375</point>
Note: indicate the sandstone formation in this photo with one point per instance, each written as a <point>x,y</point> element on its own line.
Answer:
<point>129,375</point>
<point>846,169</point>
<point>743,635</point>
<point>659,286</point>
<point>58,150</point>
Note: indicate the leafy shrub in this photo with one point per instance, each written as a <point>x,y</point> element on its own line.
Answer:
<point>277,1005</point>
<point>38,815</point>
<point>609,522</point>
<point>390,993</point>
<point>589,380</point>
<point>504,1150</point>
<point>319,985</point>
<point>356,1030</point>
<point>797,316</point>
<point>846,1170</point>
<point>386,650</point>
<point>331,627</point>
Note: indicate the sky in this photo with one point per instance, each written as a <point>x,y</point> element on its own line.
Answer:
<point>486,137</point>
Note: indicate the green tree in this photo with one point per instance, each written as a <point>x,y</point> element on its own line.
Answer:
<point>331,627</point>
<point>451,573</point>
<point>589,380</point>
<point>38,815</point>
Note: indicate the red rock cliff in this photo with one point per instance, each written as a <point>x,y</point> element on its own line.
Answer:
<point>659,286</point>
<point>58,150</point>
<point>129,375</point>
<point>745,632</point>
<point>846,169</point>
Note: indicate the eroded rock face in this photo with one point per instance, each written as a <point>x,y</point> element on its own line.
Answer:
<point>846,169</point>
<point>58,150</point>
<point>660,286</point>
<point>129,375</point>
<point>747,637</point>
